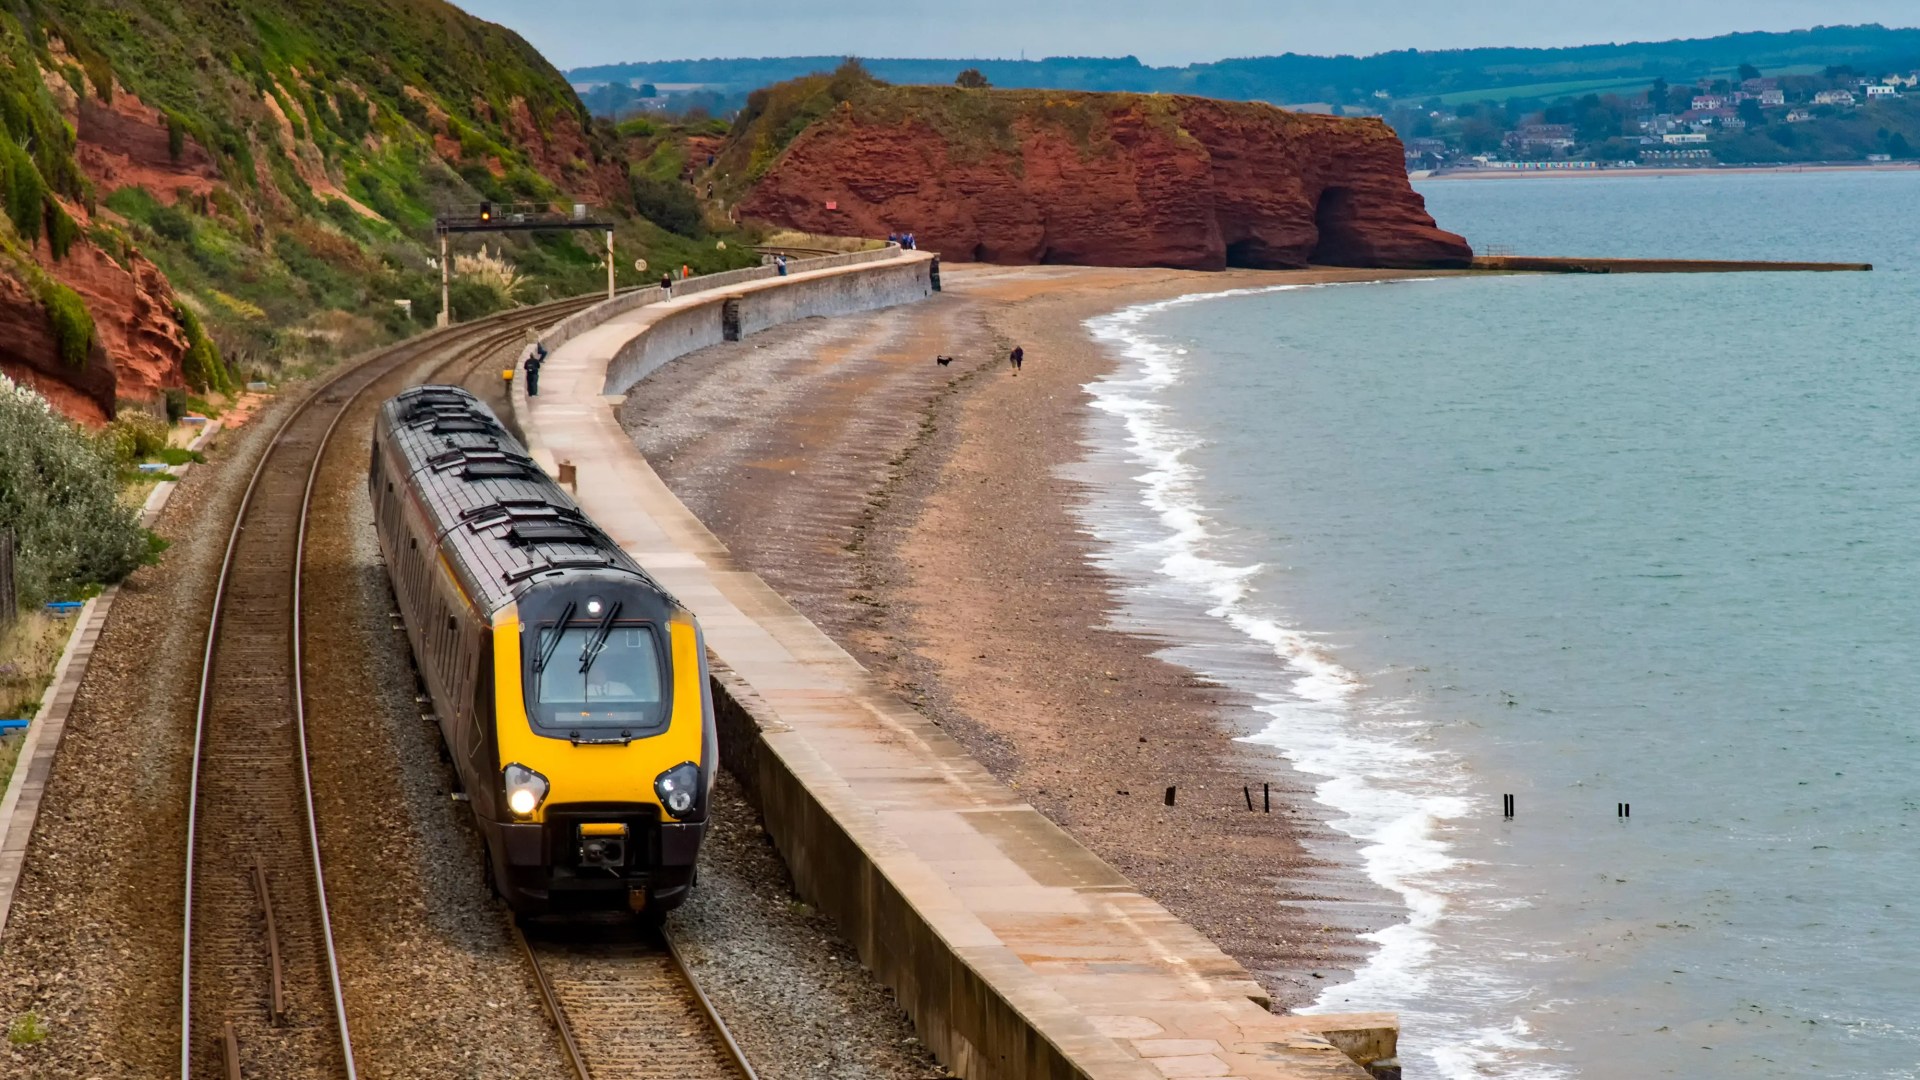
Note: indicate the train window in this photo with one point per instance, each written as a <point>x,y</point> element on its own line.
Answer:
<point>589,684</point>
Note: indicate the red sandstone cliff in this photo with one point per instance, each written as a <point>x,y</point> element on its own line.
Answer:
<point>1098,179</point>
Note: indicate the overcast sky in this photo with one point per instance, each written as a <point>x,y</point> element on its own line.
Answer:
<point>578,32</point>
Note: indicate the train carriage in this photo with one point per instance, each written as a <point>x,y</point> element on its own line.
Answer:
<point>570,687</point>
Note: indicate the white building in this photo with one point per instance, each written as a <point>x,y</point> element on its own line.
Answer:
<point>1833,97</point>
<point>1676,138</point>
<point>1882,91</point>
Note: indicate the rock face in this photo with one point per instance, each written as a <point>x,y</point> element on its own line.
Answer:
<point>1105,180</point>
<point>30,355</point>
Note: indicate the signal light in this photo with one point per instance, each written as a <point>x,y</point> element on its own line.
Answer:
<point>486,211</point>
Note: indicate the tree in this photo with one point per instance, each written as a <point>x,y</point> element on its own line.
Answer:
<point>1479,136</point>
<point>972,79</point>
<point>1657,96</point>
<point>1748,71</point>
<point>1898,146</point>
<point>1750,112</point>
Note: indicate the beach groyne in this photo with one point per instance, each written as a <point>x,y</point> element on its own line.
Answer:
<point>1558,265</point>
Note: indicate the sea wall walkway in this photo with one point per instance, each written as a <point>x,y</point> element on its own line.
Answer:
<point>1016,951</point>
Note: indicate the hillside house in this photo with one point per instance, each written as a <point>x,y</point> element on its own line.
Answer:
<point>1774,98</point>
<point>1760,85</point>
<point>1799,116</point>
<point>1703,102</point>
<point>1882,92</point>
<point>1533,137</point>
<point>1681,138</point>
<point>1834,97</point>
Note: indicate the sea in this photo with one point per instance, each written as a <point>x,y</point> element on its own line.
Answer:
<point>1641,551</point>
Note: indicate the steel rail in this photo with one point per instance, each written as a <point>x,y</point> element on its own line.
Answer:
<point>392,358</point>
<point>738,1055</point>
<point>550,999</point>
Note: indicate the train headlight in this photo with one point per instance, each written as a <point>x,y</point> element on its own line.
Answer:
<point>679,788</point>
<point>526,789</point>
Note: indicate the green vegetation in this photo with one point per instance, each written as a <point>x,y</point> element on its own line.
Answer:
<point>60,496</point>
<point>27,1029</point>
<point>1408,74</point>
<point>333,131</point>
<point>977,124</point>
<point>1747,117</point>
<point>204,370</point>
<point>72,322</point>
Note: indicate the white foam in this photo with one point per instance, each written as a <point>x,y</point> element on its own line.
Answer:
<point>1391,796</point>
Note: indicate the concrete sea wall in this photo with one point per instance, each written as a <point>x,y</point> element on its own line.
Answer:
<point>681,331</point>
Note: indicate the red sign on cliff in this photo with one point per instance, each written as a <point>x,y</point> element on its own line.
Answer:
<point>832,205</point>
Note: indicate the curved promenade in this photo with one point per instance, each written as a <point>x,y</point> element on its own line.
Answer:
<point>1016,951</point>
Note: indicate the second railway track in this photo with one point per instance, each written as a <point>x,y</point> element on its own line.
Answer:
<point>261,988</point>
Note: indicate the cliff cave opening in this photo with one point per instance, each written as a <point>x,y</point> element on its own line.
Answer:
<point>1339,241</point>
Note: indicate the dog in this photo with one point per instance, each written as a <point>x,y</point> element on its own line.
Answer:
<point>943,361</point>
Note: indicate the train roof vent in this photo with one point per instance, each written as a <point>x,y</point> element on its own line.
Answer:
<point>469,423</point>
<point>536,569</point>
<point>552,532</point>
<point>499,470</point>
<point>493,513</point>
<point>432,407</point>
<point>485,463</point>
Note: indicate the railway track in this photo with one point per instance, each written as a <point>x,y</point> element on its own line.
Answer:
<point>260,982</point>
<point>628,1007</point>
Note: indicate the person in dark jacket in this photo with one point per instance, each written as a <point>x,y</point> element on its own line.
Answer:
<point>1015,358</point>
<point>536,356</point>
<point>666,282</point>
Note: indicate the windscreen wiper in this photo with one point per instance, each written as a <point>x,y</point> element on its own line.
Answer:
<point>599,639</point>
<point>551,647</point>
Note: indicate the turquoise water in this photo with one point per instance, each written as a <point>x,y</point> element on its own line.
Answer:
<point>1586,540</point>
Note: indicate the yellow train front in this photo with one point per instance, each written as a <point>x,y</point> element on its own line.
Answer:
<point>571,689</point>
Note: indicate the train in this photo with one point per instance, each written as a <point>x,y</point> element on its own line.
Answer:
<point>571,689</point>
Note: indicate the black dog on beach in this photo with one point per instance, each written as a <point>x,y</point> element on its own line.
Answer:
<point>943,361</point>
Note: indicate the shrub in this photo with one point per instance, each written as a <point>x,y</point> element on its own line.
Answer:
<point>202,365</point>
<point>72,323</point>
<point>62,230</point>
<point>133,436</point>
<point>176,399</point>
<point>26,191</point>
<point>667,204</point>
<point>60,495</point>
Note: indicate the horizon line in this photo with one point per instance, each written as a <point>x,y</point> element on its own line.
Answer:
<point>1228,59</point>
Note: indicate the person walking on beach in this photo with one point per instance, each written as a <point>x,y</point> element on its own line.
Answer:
<point>1015,357</point>
<point>535,356</point>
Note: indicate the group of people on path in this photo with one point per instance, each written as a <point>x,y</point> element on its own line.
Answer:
<point>904,240</point>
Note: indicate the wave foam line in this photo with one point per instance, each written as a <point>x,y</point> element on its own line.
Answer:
<point>1314,724</point>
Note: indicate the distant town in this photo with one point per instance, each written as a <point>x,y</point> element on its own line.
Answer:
<point>1837,115</point>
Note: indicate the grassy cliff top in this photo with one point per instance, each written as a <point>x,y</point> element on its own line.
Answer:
<point>975,123</point>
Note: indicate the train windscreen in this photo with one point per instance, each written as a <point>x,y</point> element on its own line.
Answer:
<point>599,678</point>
